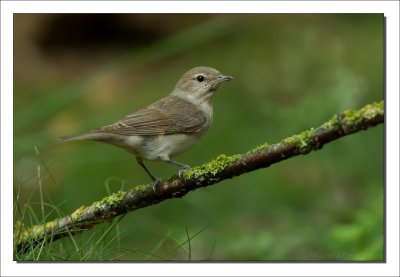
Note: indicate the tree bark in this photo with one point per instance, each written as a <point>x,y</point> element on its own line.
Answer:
<point>221,168</point>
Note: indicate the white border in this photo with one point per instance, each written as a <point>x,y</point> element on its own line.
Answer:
<point>391,11</point>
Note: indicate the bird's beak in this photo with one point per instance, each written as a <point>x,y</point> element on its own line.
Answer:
<point>223,78</point>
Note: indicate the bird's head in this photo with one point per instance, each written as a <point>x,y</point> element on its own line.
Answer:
<point>199,84</point>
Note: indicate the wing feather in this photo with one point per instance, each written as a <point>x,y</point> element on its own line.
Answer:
<point>161,118</point>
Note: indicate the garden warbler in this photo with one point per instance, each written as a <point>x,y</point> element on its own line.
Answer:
<point>167,127</point>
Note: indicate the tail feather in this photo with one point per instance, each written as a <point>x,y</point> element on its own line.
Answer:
<point>87,136</point>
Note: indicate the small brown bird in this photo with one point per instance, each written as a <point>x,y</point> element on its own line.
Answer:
<point>167,127</point>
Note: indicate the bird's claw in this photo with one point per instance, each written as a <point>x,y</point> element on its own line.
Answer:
<point>156,181</point>
<point>182,170</point>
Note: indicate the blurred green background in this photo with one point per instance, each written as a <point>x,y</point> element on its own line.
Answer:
<point>77,72</point>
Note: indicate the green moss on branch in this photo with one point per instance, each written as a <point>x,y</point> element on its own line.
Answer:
<point>222,167</point>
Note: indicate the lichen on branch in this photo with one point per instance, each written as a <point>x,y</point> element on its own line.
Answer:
<point>221,168</point>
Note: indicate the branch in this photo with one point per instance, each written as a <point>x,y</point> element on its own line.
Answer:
<point>221,168</point>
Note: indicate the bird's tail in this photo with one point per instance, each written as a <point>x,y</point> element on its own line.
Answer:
<point>87,136</point>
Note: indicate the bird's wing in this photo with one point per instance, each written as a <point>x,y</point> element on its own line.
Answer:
<point>161,118</point>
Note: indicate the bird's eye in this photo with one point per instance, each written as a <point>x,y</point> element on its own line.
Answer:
<point>200,78</point>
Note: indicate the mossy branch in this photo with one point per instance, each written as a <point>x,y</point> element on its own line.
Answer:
<point>221,168</point>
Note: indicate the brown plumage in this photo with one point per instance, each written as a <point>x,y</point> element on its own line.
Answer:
<point>168,126</point>
<point>164,117</point>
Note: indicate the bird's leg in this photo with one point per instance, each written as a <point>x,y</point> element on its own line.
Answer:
<point>155,179</point>
<point>183,167</point>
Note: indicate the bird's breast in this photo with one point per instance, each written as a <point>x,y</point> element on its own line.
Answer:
<point>207,110</point>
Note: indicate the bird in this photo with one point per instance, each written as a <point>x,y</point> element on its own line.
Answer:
<point>167,127</point>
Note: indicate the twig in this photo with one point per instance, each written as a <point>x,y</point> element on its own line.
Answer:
<point>221,168</point>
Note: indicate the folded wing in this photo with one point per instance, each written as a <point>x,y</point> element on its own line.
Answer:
<point>167,116</point>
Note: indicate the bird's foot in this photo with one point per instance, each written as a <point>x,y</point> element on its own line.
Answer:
<point>182,170</point>
<point>155,183</point>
